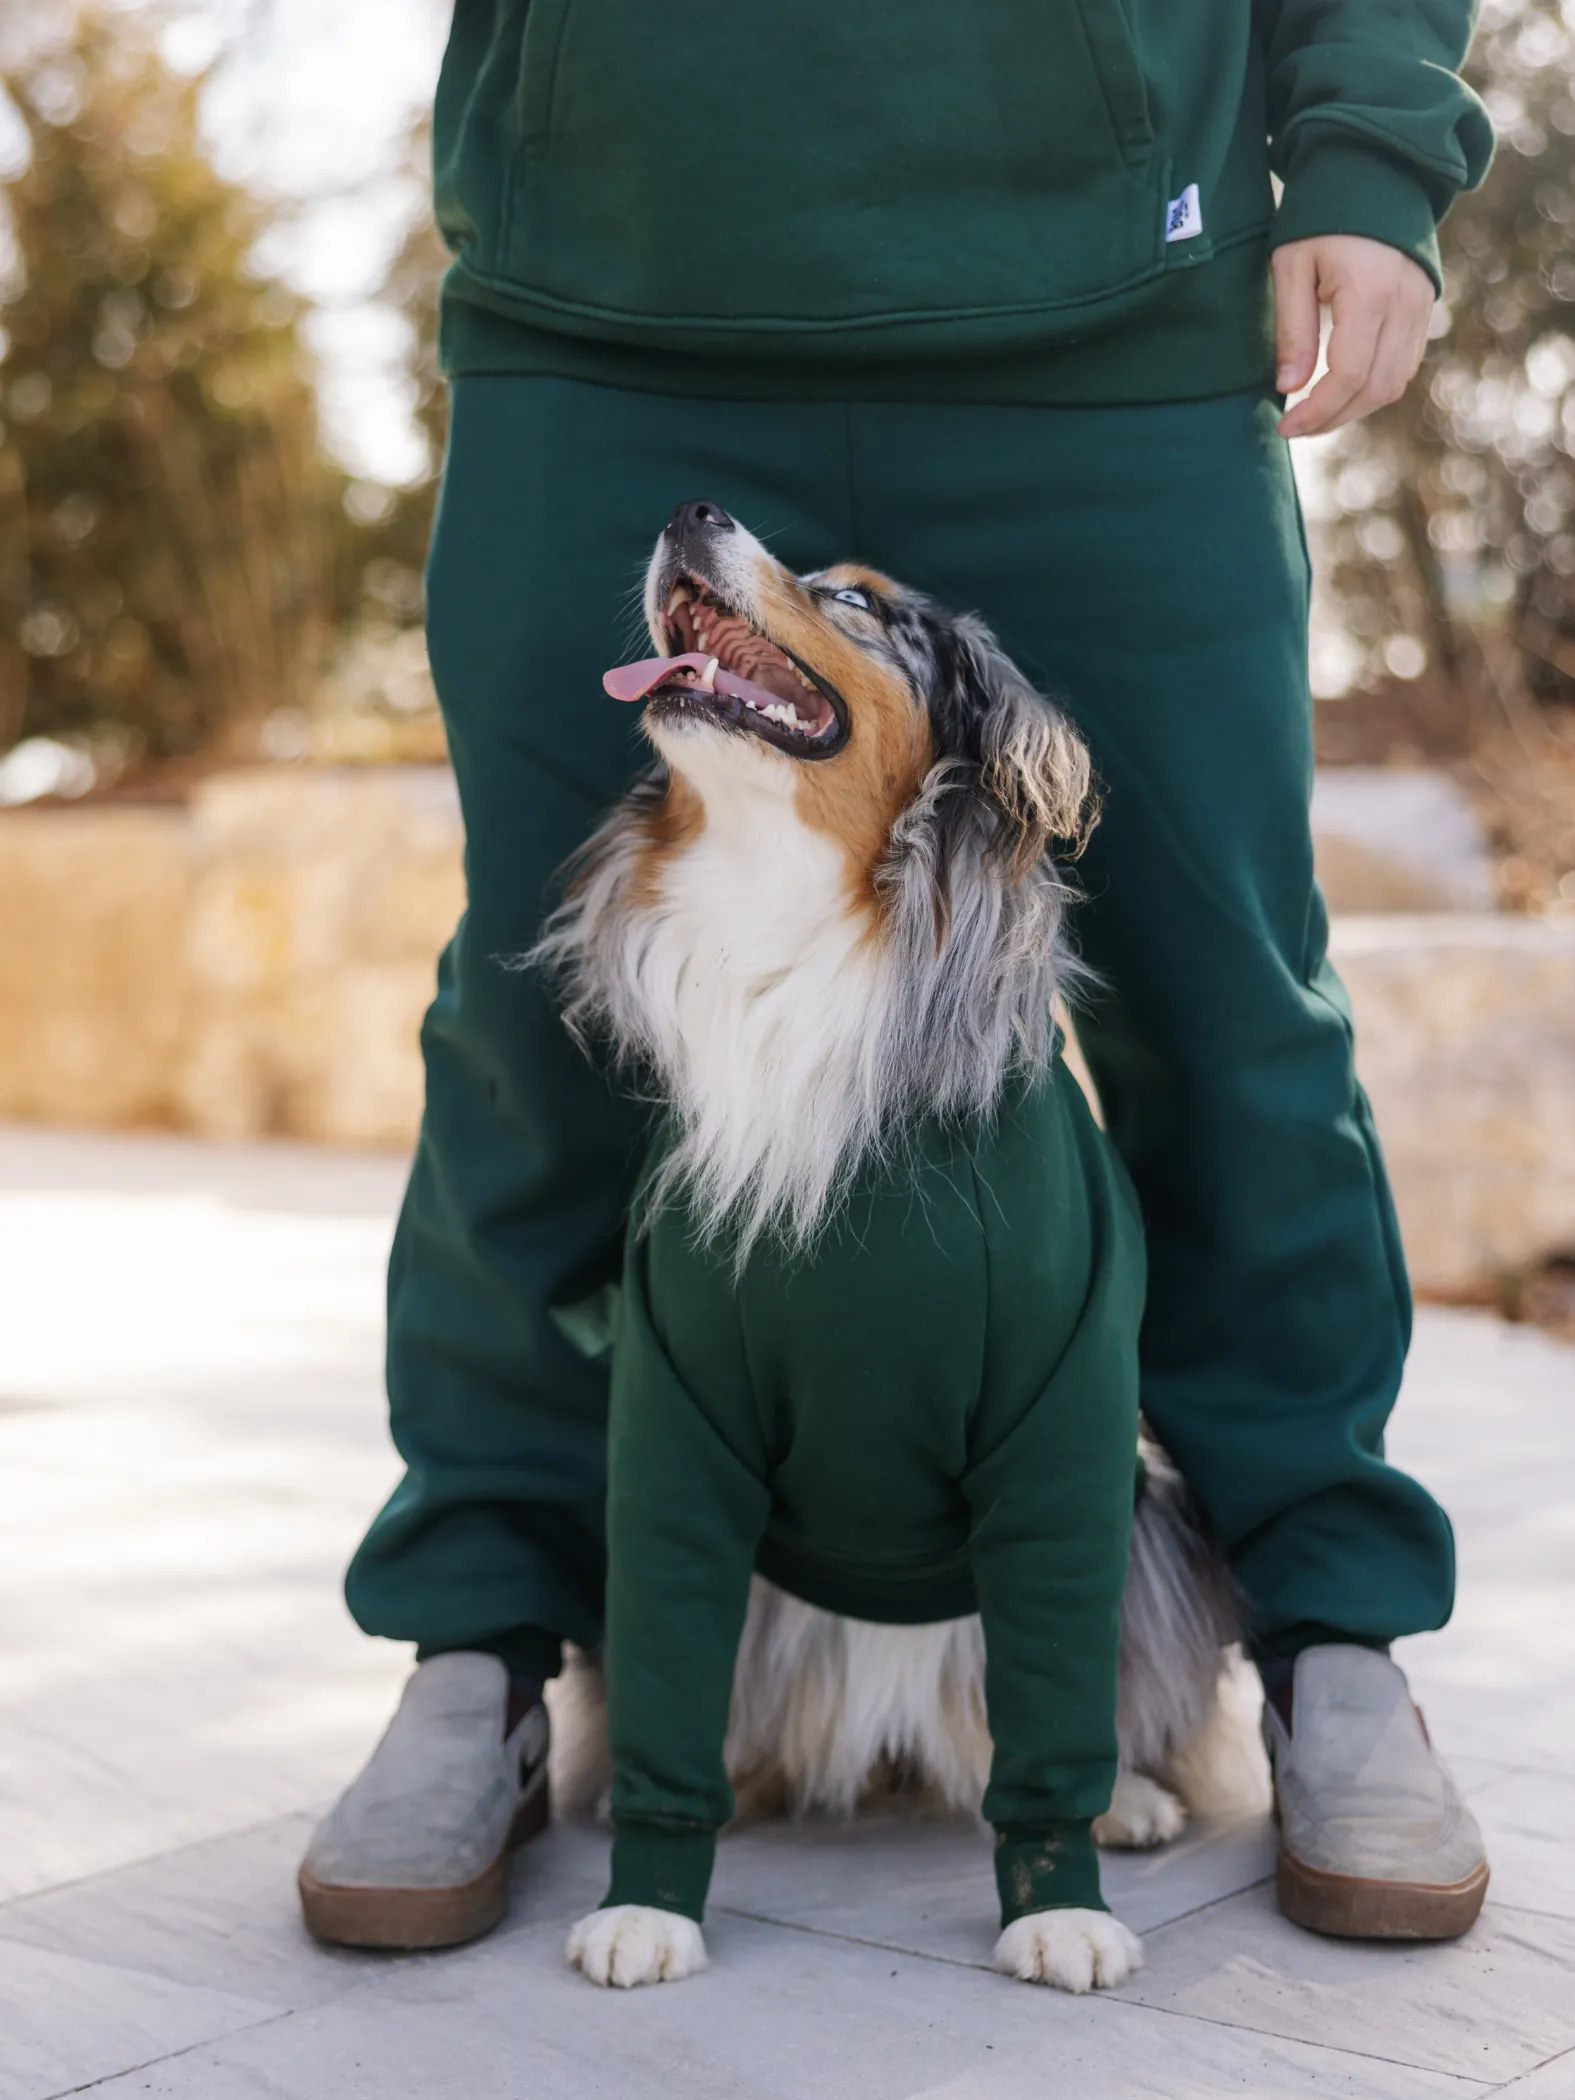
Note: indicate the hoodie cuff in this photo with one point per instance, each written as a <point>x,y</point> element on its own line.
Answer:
<point>1046,1866</point>
<point>664,1865</point>
<point>1338,184</point>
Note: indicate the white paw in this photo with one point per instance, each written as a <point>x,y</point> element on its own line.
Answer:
<point>1076,1950</point>
<point>631,1944</point>
<point>1141,1813</point>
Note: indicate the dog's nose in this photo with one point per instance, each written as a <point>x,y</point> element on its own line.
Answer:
<point>689,517</point>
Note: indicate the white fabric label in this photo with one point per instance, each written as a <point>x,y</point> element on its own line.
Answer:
<point>1184,215</point>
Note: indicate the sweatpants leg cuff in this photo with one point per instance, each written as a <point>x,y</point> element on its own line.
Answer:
<point>524,1651</point>
<point>1267,1649</point>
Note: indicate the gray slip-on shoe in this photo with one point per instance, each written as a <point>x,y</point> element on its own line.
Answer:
<point>415,1852</point>
<point>1375,1841</point>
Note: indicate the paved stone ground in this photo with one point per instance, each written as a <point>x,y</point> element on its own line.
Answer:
<point>190,1439</point>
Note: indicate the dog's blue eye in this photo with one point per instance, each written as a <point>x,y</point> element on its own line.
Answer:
<point>852,597</point>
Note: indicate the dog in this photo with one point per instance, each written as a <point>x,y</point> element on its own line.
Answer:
<point>829,923</point>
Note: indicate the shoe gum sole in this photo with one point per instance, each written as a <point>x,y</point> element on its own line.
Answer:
<point>1348,1908</point>
<point>410,1921</point>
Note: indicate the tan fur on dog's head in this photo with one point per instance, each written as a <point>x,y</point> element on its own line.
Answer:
<point>856,795</point>
<point>909,685</point>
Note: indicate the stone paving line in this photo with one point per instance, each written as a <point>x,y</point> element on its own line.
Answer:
<point>191,1436</point>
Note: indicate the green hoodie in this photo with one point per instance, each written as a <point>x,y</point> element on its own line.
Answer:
<point>931,1411</point>
<point>1009,199</point>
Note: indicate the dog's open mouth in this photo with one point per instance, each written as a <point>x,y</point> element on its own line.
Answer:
<point>720,663</point>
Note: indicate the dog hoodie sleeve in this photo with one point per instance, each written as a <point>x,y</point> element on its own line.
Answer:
<point>1052,1513</point>
<point>685,1513</point>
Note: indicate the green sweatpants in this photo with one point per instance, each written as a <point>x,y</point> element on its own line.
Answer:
<point>1146,565</point>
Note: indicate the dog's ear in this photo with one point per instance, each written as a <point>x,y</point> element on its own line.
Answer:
<point>1034,769</point>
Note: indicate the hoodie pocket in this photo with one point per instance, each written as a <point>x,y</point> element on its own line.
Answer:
<point>545,22</point>
<point>711,172</point>
<point>1105,26</point>
<point>1115,59</point>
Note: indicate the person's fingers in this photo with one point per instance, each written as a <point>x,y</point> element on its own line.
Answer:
<point>1353,344</point>
<point>1381,304</point>
<point>1386,378</point>
<point>1295,315</point>
<point>1400,348</point>
<point>1406,331</point>
<point>1421,333</point>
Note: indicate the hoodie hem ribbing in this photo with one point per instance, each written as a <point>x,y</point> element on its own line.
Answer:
<point>1205,332</point>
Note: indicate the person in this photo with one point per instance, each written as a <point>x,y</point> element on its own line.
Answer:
<point>1004,300</point>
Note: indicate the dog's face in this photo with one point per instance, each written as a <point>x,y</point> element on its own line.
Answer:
<point>847,686</point>
<point>839,876</point>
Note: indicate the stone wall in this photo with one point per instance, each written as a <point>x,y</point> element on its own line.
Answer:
<point>258,962</point>
<point>95,909</point>
<point>254,964</point>
<point>319,902</point>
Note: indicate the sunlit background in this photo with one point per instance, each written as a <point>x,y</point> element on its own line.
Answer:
<point>221,412</point>
<point>218,391</point>
<point>220,428</point>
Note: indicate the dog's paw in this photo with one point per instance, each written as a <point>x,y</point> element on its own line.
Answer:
<point>630,1944</point>
<point>1142,1813</point>
<point>1075,1950</point>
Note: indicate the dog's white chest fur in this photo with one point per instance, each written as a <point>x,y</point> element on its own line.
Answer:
<point>756,980</point>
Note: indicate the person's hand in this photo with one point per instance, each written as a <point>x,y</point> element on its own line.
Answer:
<point>1381,303</point>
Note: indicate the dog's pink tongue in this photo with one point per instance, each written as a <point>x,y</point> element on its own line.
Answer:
<point>634,681</point>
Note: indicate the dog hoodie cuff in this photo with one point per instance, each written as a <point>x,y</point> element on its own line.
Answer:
<point>1046,1866</point>
<point>666,1866</point>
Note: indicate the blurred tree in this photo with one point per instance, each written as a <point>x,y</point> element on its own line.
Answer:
<point>1453,512</point>
<point>170,562</point>
<point>377,700</point>
<point>401,520</point>
<point>176,551</point>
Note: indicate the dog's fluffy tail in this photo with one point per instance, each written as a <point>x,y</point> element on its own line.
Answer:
<point>1185,1708</point>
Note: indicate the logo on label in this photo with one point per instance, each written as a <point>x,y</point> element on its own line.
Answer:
<point>1184,215</point>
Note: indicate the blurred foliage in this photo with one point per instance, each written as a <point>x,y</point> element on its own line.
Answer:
<point>376,700</point>
<point>178,556</point>
<point>1453,513</point>
<point>181,562</point>
<point>410,287</point>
